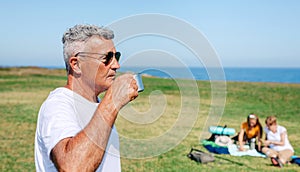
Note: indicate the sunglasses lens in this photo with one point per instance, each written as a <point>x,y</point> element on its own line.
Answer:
<point>110,56</point>
<point>117,56</point>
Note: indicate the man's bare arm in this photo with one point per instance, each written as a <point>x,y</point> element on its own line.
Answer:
<point>84,152</point>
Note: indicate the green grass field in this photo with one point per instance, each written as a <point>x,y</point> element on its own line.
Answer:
<point>23,90</point>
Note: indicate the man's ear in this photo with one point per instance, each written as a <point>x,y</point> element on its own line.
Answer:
<point>74,65</point>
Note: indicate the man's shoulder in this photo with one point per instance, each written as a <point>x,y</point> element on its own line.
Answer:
<point>57,99</point>
<point>60,94</point>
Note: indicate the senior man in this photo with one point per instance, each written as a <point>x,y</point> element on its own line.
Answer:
<point>75,130</point>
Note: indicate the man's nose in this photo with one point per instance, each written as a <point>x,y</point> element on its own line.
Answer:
<point>115,64</point>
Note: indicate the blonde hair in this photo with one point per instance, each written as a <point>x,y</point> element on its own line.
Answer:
<point>270,120</point>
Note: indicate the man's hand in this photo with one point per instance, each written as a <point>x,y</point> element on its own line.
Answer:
<point>123,90</point>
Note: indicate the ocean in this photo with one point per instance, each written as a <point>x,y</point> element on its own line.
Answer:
<point>279,75</point>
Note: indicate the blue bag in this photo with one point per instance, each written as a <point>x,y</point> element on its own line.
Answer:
<point>296,160</point>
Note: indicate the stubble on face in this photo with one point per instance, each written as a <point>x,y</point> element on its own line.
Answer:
<point>104,75</point>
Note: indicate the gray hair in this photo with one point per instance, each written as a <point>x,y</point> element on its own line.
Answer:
<point>75,38</point>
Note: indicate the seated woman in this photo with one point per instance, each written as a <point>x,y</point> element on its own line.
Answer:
<point>277,145</point>
<point>251,129</point>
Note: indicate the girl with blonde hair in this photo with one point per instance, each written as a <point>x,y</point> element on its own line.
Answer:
<point>277,145</point>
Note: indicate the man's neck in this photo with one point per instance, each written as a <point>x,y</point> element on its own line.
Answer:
<point>78,87</point>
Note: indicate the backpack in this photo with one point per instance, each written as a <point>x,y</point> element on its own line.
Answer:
<point>200,156</point>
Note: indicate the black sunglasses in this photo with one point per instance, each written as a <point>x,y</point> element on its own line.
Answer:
<point>108,57</point>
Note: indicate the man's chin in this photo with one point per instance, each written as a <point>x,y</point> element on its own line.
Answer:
<point>105,87</point>
<point>110,80</point>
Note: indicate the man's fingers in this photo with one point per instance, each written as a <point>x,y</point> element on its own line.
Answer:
<point>134,84</point>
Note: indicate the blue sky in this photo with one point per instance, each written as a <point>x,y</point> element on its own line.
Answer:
<point>244,33</point>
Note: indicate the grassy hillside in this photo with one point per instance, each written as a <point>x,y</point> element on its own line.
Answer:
<point>23,90</point>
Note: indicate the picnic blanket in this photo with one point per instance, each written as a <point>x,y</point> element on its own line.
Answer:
<point>234,151</point>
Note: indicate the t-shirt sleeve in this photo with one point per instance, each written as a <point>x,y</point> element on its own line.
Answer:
<point>244,126</point>
<point>266,130</point>
<point>58,122</point>
<point>282,129</point>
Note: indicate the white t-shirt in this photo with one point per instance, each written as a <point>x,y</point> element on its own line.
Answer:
<point>64,114</point>
<point>276,137</point>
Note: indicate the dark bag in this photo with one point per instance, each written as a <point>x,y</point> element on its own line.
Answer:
<point>200,156</point>
<point>296,161</point>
